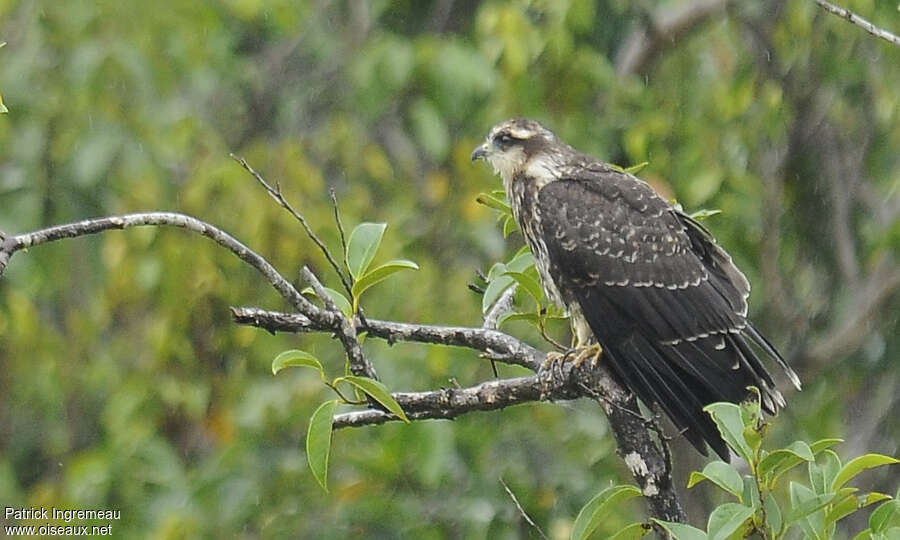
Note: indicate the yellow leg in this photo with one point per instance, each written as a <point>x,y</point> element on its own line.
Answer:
<point>577,355</point>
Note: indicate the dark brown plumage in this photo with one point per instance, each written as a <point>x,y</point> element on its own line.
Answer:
<point>642,279</point>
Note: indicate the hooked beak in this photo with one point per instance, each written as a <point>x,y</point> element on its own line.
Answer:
<point>480,152</point>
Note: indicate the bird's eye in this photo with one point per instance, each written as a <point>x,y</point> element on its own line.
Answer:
<point>504,139</point>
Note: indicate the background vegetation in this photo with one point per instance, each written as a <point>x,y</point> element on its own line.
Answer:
<point>123,383</point>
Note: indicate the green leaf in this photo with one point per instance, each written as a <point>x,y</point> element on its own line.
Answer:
<point>726,519</point>
<point>532,318</point>
<point>3,109</point>
<point>805,501</point>
<point>858,465</point>
<point>362,245</point>
<point>634,169</point>
<point>594,512</point>
<point>521,261</point>
<point>296,358</point>
<point>885,517</point>
<point>849,504</point>
<point>722,475</point>
<point>632,532</point>
<point>531,286</point>
<point>494,289</point>
<point>376,391</point>
<point>336,296</point>
<point>498,282</point>
<point>509,226</point>
<point>750,497</point>
<point>493,202</point>
<point>700,215</point>
<point>780,461</point>
<point>378,275</point>
<point>727,417</point>
<point>823,444</point>
<point>680,531</point>
<point>865,534</point>
<point>822,475</point>
<point>318,441</point>
<point>774,520</point>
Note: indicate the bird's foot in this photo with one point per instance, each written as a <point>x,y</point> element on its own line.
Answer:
<point>577,355</point>
<point>588,352</point>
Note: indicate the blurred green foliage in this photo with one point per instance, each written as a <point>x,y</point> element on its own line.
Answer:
<point>123,382</point>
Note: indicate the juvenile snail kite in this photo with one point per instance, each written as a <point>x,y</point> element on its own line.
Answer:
<point>640,279</point>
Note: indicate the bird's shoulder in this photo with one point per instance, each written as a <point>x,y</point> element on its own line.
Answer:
<point>590,196</point>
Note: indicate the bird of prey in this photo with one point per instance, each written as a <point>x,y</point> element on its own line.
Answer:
<point>641,280</point>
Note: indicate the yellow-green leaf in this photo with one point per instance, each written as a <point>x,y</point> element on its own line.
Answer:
<point>632,532</point>
<point>773,514</point>
<point>594,512</point>
<point>3,109</point>
<point>823,444</point>
<point>858,465</point>
<point>532,318</point>
<point>886,516</point>
<point>784,459</point>
<point>296,358</point>
<point>362,245</point>
<point>852,503</point>
<point>528,283</point>
<point>804,502</point>
<point>376,391</point>
<point>727,417</point>
<point>703,214</point>
<point>379,274</point>
<point>339,299</point>
<point>318,441</point>
<point>681,531</point>
<point>722,475</point>
<point>634,169</point>
<point>726,519</point>
<point>493,202</point>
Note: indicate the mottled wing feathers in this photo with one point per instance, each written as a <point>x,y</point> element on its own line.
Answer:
<point>666,303</point>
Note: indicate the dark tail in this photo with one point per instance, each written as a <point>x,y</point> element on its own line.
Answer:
<point>683,378</point>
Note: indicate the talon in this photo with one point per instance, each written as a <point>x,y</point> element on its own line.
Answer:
<point>555,359</point>
<point>577,355</point>
<point>588,352</point>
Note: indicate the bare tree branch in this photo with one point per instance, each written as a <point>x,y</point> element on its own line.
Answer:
<point>859,21</point>
<point>275,193</point>
<point>13,243</point>
<point>359,364</point>
<point>497,345</point>
<point>448,403</point>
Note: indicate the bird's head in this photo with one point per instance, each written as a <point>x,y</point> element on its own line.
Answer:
<point>513,145</point>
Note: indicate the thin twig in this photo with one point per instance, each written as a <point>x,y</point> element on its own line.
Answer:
<point>275,193</point>
<point>859,21</point>
<point>522,510</point>
<point>359,364</point>
<point>339,223</point>
<point>503,305</point>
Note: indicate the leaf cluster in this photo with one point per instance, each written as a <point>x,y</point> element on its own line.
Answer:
<point>360,251</point>
<point>319,433</point>
<point>765,504</point>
